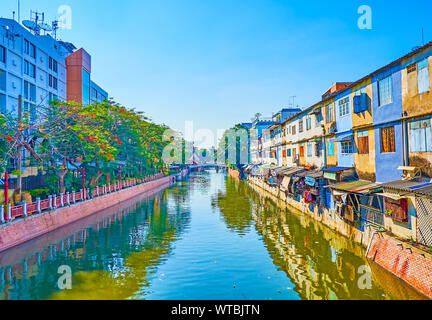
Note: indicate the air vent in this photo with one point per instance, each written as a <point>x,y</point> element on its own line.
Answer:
<point>412,68</point>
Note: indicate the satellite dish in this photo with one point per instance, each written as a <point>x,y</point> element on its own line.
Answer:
<point>29,24</point>
<point>45,27</point>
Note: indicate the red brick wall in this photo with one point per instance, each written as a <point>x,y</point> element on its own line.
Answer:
<point>20,231</point>
<point>409,265</point>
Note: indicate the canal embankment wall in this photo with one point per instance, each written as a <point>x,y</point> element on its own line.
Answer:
<point>411,265</point>
<point>19,231</point>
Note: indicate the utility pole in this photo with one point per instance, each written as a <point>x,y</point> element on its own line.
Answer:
<point>19,181</point>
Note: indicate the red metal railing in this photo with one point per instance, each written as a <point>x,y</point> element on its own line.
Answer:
<point>56,202</point>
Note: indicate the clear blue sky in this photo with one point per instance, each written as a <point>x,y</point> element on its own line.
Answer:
<point>220,62</point>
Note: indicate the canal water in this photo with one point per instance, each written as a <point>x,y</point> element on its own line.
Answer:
<point>209,237</point>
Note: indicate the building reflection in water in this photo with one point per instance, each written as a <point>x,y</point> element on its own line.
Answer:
<point>111,253</point>
<point>321,263</point>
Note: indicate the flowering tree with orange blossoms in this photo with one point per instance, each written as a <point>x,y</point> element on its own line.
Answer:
<point>69,135</point>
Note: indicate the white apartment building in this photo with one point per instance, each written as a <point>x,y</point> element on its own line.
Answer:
<point>31,66</point>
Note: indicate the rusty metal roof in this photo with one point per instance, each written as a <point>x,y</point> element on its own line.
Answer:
<point>359,186</point>
<point>311,173</point>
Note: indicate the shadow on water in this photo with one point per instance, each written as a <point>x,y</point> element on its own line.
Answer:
<point>321,263</point>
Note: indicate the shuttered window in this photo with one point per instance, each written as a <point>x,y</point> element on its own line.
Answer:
<point>423,76</point>
<point>421,136</point>
<point>387,140</point>
<point>330,149</point>
<point>363,142</point>
<point>301,126</point>
<point>329,112</point>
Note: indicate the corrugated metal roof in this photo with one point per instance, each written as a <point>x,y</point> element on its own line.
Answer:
<point>401,185</point>
<point>359,186</point>
<point>336,169</point>
<point>426,191</point>
<point>311,174</point>
<point>291,171</point>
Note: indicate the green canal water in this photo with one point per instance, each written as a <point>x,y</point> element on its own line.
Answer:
<point>209,237</point>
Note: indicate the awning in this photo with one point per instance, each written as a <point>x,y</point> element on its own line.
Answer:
<point>390,195</point>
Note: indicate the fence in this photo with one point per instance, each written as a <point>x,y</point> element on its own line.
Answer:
<point>53,202</point>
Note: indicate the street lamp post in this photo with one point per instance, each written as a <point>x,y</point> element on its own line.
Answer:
<point>120,177</point>
<point>6,189</point>
<point>83,183</point>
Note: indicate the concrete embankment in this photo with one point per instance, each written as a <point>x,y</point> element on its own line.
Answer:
<point>411,265</point>
<point>23,230</point>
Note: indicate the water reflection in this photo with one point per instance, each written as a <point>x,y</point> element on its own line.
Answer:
<point>206,238</point>
<point>111,253</point>
<point>321,263</point>
<point>235,206</point>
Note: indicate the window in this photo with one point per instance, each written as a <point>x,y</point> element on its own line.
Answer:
<point>29,91</point>
<point>52,82</point>
<point>301,151</point>
<point>309,150</point>
<point>2,80</point>
<point>423,76</point>
<point>85,87</point>
<point>2,103</point>
<point>308,123</point>
<point>288,152</point>
<point>53,65</point>
<point>387,140</point>
<point>385,91</point>
<point>26,47</point>
<point>363,142</point>
<point>344,107</point>
<point>32,50</point>
<point>301,126</point>
<point>329,113</point>
<point>293,130</point>
<point>2,54</point>
<point>29,69</point>
<point>421,136</point>
<point>347,147</point>
<point>330,149</point>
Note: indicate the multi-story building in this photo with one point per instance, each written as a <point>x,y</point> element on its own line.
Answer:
<point>40,69</point>
<point>32,67</point>
<point>417,110</point>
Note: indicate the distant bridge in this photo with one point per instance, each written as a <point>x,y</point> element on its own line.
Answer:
<point>207,166</point>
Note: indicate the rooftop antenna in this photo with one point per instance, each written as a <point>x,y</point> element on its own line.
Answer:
<point>19,11</point>
<point>55,27</point>
<point>13,14</point>
<point>293,101</point>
